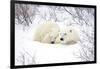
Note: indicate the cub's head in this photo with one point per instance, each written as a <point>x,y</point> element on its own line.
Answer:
<point>68,35</point>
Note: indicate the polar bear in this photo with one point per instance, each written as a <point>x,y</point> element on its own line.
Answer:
<point>47,32</point>
<point>68,35</point>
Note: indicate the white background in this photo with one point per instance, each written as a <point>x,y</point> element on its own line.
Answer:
<point>5,34</point>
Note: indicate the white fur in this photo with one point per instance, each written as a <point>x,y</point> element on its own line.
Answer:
<point>46,32</point>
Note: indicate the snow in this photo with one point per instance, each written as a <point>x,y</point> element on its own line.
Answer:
<point>43,53</point>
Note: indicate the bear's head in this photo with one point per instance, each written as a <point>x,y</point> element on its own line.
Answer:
<point>68,35</point>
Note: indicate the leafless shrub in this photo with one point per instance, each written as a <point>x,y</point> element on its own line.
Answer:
<point>25,14</point>
<point>26,58</point>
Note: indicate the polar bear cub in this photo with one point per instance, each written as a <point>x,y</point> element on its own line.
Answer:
<point>47,32</point>
<point>68,35</point>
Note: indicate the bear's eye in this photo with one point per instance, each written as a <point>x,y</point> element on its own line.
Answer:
<point>70,30</point>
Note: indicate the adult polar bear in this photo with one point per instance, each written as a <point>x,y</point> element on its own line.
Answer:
<point>47,32</point>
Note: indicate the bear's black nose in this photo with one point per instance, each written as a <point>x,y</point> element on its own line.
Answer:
<point>61,39</point>
<point>52,42</point>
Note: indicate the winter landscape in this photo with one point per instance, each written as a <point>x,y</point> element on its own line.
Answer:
<point>27,19</point>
